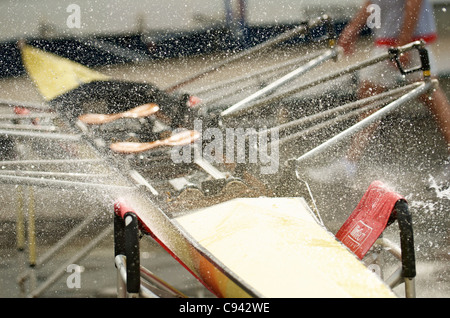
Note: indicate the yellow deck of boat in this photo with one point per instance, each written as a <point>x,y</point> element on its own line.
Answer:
<point>276,247</point>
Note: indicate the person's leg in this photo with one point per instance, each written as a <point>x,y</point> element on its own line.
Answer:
<point>360,140</point>
<point>440,108</point>
<point>437,102</point>
<point>344,169</point>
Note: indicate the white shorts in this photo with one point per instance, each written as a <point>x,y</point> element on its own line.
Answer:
<point>386,73</point>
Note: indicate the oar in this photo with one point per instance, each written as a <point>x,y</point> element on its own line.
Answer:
<point>299,30</point>
<point>137,112</point>
<point>182,138</point>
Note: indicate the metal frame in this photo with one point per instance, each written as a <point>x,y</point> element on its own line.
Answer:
<point>134,280</point>
<point>391,54</point>
<point>406,274</point>
<point>26,235</point>
<point>405,253</point>
<point>361,125</point>
<point>299,30</point>
<point>30,175</point>
<point>126,225</point>
<point>269,89</point>
<point>272,87</point>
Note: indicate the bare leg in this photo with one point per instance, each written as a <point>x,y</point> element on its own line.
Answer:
<point>361,139</point>
<point>344,169</point>
<point>440,108</point>
<point>437,103</point>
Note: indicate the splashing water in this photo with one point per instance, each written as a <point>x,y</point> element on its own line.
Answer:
<point>440,193</point>
<point>426,206</point>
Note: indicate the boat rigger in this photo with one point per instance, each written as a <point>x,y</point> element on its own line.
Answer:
<point>255,246</point>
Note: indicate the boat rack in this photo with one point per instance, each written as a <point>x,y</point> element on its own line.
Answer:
<point>89,165</point>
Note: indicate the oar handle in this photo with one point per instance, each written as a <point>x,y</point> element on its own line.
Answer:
<point>139,111</point>
<point>182,138</point>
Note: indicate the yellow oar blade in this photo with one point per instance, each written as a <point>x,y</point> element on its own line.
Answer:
<point>55,75</point>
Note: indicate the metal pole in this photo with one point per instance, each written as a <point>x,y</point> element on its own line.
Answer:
<point>395,279</point>
<point>141,181</point>
<point>118,51</point>
<point>335,75</point>
<point>337,114</point>
<point>20,226</point>
<point>131,235</point>
<point>20,235</point>
<point>120,261</point>
<point>32,238</point>
<point>61,184</point>
<point>328,123</point>
<point>208,168</point>
<point>121,276</point>
<point>31,229</point>
<point>302,29</point>
<point>58,246</point>
<point>277,68</point>
<point>159,283</point>
<point>55,161</point>
<point>390,246</point>
<point>343,108</point>
<point>242,105</point>
<point>410,288</point>
<point>40,106</point>
<point>18,133</point>
<point>28,116</point>
<point>25,127</point>
<point>53,174</point>
<point>82,253</point>
<point>423,88</point>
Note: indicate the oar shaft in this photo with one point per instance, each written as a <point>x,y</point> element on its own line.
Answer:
<point>356,67</point>
<point>278,83</point>
<point>274,68</point>
<point>39,106</point>
<point>31,134</point>
<point>333,112</point>
<point>62,184</point>
<point>279,39</point>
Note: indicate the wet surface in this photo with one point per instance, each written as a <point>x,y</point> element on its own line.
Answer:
<point>402,157</point>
